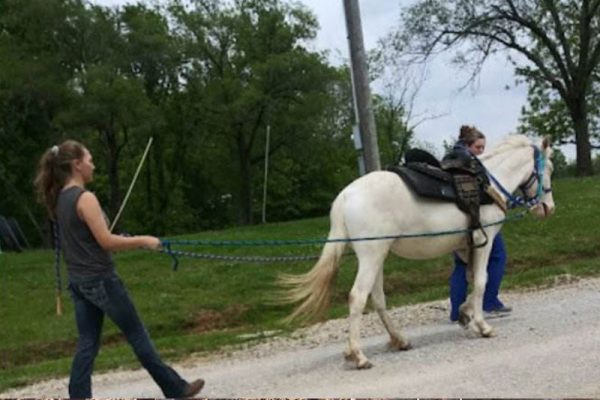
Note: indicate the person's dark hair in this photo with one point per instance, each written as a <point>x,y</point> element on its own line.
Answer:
<point>53,171</point>
<point>470,134</point>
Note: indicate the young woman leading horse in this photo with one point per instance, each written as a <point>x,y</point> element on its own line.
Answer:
<point>96,289</point>
<point>380,204</point>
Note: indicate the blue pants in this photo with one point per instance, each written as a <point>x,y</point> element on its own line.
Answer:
<point>495,270</point>
<point>92,300</point>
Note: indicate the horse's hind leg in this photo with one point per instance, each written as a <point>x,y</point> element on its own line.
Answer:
<point>397,340</point>
<point>368,268</point>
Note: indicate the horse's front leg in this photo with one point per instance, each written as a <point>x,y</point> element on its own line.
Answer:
<point>474,303</point>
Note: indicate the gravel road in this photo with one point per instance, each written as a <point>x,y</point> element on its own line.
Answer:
<point>548,347</point>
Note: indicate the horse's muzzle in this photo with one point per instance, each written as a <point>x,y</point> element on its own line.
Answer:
<point>542,210</point>
<point>548,210</point>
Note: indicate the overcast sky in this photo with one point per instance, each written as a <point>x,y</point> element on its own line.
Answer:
<point>488,105</point>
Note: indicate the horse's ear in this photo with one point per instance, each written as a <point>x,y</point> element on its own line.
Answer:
<point>546,142</point>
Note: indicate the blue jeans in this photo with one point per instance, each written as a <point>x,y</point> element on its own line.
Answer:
<point>95,298</point>
<point>495,270</point>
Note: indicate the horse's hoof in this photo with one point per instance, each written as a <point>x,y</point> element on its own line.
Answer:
<point>482,329</point>
<point>489,332</point>
<point>463,320</point>
<point>399,345</point>
<point>366,364</point>
<point>473,327</point>
<point>349,356</point>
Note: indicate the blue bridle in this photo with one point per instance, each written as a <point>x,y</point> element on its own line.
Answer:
<point>536,175</point>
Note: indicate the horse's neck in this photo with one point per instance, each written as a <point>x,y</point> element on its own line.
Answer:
<point>511,168</point>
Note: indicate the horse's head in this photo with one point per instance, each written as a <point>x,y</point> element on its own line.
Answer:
<point>538,187</point>
<point>521,165</point>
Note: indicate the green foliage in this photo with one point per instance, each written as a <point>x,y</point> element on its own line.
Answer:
<point>392,131</point>
<point>34,74</point>
<point>547,114</point>
<point>559,162</point>
<point>205,80</point>
<point>251,71</point>
<point>563,168</point>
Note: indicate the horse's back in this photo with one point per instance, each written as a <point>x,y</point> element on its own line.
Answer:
<point>380,191</point>
<point>380,201</point>
<point>376,184</point>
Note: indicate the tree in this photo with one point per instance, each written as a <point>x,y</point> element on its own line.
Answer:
<point>394,135</point>
<point>115,107</point>
<point>559,40</point>
<point>34,72</point>
<point>155,56</point>
<point>249,68</point>
<point>400,80</point>
<point>107,100</point>
<point>547,114</point>
<point>206,80</point>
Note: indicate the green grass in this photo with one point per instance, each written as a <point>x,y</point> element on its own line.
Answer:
<point>207,305</point>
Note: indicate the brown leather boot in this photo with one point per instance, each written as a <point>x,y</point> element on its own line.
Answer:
<point>193,388</point>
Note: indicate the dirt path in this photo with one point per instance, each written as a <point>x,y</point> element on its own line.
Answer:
<point>548,347</point>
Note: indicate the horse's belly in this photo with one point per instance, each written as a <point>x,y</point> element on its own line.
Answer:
<point>425,248</point>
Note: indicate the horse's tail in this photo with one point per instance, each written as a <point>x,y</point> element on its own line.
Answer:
<point>313,289</point>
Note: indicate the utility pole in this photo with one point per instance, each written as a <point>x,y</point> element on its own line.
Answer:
<point>360,86</point>
<point>265,180</point>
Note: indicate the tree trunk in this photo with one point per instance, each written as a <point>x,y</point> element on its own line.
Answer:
<point>149,195</point>
<point>582,137</point>
<point>162,190</point>
<point>112,161</point>
<point>245,186</point>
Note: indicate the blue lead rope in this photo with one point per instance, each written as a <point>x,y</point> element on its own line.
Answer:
<point>167,248</point>
<point>168,243</point>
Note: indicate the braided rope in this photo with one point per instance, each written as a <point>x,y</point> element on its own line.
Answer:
<point>272,242</point>
<point>167,245</point>
<point>56,256</point>
<point>217,257</point>
<point>57,267</point>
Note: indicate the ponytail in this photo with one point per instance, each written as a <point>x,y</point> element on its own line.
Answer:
<point>54,169</point>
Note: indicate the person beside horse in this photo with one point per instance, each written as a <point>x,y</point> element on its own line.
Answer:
<point>96,289</point>
<point>471,143</point>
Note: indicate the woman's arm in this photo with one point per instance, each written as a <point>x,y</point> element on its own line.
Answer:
<point>89,210</point>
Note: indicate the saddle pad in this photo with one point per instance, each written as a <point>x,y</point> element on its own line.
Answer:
<point>430,170</point>
<point>426,185</point>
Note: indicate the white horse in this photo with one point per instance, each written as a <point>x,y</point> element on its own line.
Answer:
<point>380,204</point>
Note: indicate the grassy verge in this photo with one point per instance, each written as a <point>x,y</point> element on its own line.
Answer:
<point>207,305</point>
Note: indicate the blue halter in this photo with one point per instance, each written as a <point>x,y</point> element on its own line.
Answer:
<point>537,175</point>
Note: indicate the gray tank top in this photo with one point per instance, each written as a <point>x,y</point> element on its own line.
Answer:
<point>85,258</point>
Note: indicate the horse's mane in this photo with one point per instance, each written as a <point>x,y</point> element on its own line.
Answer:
<point>510,142</point>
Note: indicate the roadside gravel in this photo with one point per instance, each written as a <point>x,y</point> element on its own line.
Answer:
<point>548,347</point>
